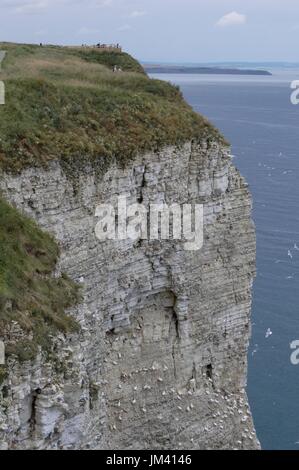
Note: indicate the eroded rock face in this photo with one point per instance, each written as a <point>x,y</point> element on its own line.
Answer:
<point>160,361</point>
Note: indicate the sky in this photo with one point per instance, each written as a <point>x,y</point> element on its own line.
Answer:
<point>162,30</point>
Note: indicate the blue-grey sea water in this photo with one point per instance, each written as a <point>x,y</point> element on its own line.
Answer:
<point>256,115</point>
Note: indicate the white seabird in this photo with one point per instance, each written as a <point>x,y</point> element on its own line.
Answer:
<point>268,333</point>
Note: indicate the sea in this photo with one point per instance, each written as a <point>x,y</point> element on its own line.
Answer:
<point>256,115</point>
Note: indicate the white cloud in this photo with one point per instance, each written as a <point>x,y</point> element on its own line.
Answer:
<point>35,6</point>
<point>102,3</point>
<point>137,14</point>
<point>24,6</point>
<point>87,31</point>
<point>41,32</point>
<point>125,27</point>
<point>232,19</point>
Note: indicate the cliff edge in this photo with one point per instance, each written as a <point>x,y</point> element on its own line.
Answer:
<point>157,354</point>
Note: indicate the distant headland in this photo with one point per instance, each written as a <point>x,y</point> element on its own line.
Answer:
<point>203,70</point>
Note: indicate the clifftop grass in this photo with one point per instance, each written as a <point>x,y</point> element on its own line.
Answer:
<point>32,301</point>
<point>67,103</point>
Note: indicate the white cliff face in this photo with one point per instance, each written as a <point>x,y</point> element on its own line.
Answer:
<point>160,362</point>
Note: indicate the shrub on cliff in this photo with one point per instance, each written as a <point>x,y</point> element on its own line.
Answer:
<point>32,302</point>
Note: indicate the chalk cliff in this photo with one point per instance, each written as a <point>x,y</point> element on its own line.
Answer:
<point>160,358</point>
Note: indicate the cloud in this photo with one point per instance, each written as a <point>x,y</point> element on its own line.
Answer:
<point>86,31</point>
<point>137,14</point>
<point>25,6</point>
<point>41,32</point>
<point>102,3</point>
<point>125,27</point>
<point>232,19</point>
<point>35,6</point>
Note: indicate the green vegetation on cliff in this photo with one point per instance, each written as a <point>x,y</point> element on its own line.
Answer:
<point>32,301</point>
<point>67,103</point>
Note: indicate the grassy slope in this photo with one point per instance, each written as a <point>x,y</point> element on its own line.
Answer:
<point>29,294</point>
<point>67,103</point>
